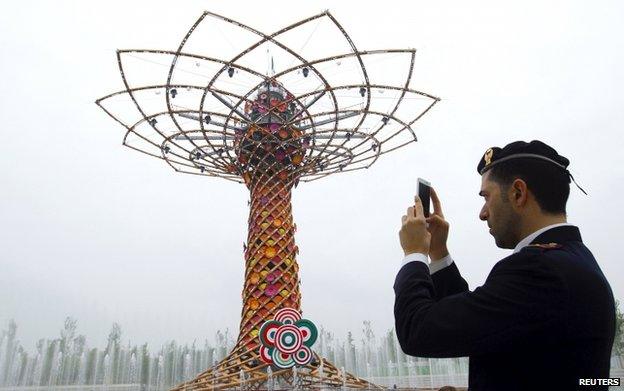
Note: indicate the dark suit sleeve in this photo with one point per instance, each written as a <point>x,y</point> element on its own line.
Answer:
<point>448,282</point>
<point>522,298</point>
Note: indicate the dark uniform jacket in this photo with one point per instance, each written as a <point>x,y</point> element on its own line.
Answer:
<point>543,319</point>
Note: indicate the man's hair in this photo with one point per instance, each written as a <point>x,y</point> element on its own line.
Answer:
<point>549,184</point>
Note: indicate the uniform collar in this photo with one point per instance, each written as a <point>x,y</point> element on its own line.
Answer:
<point>542,236</point>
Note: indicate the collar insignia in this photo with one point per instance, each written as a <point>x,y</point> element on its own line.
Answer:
<point>545,246</point>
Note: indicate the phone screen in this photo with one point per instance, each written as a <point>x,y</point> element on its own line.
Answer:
<point>424,193</point>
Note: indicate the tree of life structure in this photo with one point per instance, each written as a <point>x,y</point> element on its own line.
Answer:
<point>320,109</point>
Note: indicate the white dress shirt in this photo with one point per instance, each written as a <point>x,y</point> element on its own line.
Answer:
<point>433,266</point>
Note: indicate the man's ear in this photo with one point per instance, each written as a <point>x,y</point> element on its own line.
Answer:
<point>519,193</point>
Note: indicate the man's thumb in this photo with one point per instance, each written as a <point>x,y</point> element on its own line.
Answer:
<point>434,219</point>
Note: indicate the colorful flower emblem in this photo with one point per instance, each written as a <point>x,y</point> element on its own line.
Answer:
<point>287,340</point>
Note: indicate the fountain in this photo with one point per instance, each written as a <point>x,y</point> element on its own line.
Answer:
<point>96,369</point>
<point>135,368</point>
<point>270,384</point>
<point>241,379</point>
<point>295,379</point>
<point>132,371</point>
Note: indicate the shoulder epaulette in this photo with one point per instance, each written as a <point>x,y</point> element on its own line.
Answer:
<point>545,246</point>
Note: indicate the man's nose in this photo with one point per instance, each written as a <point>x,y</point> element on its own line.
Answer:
<point>483,215</point>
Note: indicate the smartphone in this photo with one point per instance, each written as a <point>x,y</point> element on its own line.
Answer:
<point>424,193</point>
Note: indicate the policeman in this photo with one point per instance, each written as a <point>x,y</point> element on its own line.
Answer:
<point>545,316</point>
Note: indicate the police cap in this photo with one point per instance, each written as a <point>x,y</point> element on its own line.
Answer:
<point>522,150</point>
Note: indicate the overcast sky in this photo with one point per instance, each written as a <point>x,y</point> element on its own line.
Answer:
<point>96,231</point>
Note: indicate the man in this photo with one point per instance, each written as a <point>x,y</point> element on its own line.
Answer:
<point>545,316</point>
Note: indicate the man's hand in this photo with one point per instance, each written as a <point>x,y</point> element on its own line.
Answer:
<point>439,229</point>
<point>413,234</point>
